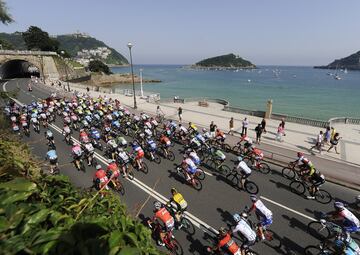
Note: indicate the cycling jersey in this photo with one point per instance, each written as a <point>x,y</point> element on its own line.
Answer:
<point>191,167</point>
<point>89,147</point>
<point>138,151</point>
<point>124,156</point>
<point>229,245</point>
<point>195,157</point>
<point>165,140</point>
<point>183,129</point>
<point>49,134</point>
<point>51,155</point>
<point>112,144</point>
<point>101,176</point>
<point>67,130</point>
<point>179,199</point>
<point>164,216</point>
<point>244,228</point>
<point>219,154</point>
<point>152,145</point>
<point>148,124</point>
<point>244,168</point>
<point>95,134</point>
<point>76,150</point>
<point>261,210</point>
<point>195,142</point>
<point>114,170</point>
<point>351,222</point>
<point>200,138</point>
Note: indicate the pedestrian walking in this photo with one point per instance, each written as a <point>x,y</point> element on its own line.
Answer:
<point>282,123</point>
<point>258,131</point>
<point>245,125</point>
<point>263,125</point>
<point>159,112</point>
<point>231,126</point>
<point>87,89</point>
<point>327,136</point>
<point>333,132</point>
<point>180,111</point>
<point>212,129</point>
<point>280,133</point>
<point>334,142</point>
<point>319,142</point>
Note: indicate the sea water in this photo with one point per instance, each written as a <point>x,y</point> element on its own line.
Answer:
<point>297,91</point>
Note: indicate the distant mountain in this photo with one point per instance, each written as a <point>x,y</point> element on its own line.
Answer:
<point>351,62</point>
<point>72,44</point>
<point>225,61</point>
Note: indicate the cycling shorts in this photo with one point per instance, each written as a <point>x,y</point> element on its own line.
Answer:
<point>53,161</point>
<point>266,222</point>
<point>191,170</point>
<point>316,180</point>
<point>352,229</point>
<point>244,174</point>
<point>139,155</point>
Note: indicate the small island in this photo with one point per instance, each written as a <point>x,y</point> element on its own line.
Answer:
<point>351,62</point>
<point>229,61</point>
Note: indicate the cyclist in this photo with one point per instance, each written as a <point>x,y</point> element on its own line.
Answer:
<point>313,176</point>
<point>350,223</point>
<point>248,143</point>
<point>124,158</point>
<point>89,152</point>
<point>50,137</point>
<point>245,171</point>
<point>226,244</point>
<point>192,128</point>
<point>195,143</point>
<point>245,230</point>
<point>76,152</point>
<point>138,153</point>
<point>83,136</point>
<point>217,154</point>
<point>220,136</point>
<point>112,170</point>
<point>111,146</point>
<point>100,179</point>
<point>182,131</point>
<point>164,222</point>
<point>206,134</point>
<point>194,157</point>
<point>178,204</point>
<point>263,214</point>
<point>52,156</point>
<point>189,166</point>
<point>303,162</point>
<point>165,141</point>
<point>121,141</point>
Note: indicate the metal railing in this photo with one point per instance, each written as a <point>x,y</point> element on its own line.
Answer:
<point>27,52</point>
<point>344,120</point>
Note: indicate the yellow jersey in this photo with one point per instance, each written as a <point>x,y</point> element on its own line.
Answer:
<point>179,199</point>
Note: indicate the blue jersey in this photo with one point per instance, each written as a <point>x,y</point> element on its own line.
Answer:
<point>51,154</point>
<point>95,134</point>
<point>116,123</point>
<point>152,144</point>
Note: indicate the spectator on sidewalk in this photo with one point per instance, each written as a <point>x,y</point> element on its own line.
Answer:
<point>319,142</point>
<point>159,112</point>
<point>180,111</point>
<point>333,132</point>
<point>258,131</point>
<point>280,133</point>
<point>263,125</point>
<point>282,123</point>
<point>231,126</point>
<point>334,142</point>
<point>245,125</point>
<point>327,136</point>
<point>212,129</point>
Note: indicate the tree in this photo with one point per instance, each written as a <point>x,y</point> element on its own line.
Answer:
<point>37,39</point>
<point>98,66</point>
<point>5,17</point>
<point>5,45</point>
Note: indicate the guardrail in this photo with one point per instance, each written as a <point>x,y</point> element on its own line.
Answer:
<point>27,52</point>
<point>300,120</point>
<point>344,120</point>
<point>244,111</point>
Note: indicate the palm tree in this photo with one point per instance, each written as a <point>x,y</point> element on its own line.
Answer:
<point>5,17</point>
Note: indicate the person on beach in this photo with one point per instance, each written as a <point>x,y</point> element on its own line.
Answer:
<point>280,133</point>
<point>231,126</point>
<point>258,131</point>
<point>180,113</point>
<point>212,129</point>
<point>319,142</point>
<point>334,142</point>
<point>245,125</point>
<point>263,125</point>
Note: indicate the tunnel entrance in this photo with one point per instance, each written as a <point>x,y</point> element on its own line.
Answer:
<point>18,69</point>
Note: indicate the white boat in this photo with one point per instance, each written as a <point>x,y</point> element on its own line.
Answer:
<point>345,71</point>
<point>337,77</point>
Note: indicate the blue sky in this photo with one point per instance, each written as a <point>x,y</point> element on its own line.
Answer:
<point>279,32</point>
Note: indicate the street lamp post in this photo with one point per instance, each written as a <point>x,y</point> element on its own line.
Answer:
<point>132,74</point>
<point>141,84</point>
<point>66,71</point>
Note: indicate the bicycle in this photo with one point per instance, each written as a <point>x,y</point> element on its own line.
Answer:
<point>323,229</point>
<point>167,238</point>
<point>79,164</point>
<point>152,156</point>
<point>218,165</point>
<point>260,166</point>
<point>166,153</point>
<point>235,178</point>
<point>290,172</point>
<point>194,180</point>
<point>238,149</point>
<point>143,166</point>
<point>221,143</point>
<point>116,185</point>
<point>299,186</point>
<point>181,219</point>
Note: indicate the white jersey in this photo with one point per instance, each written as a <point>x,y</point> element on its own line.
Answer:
<point>190,163</point>
<point>182,128</point>
<point>245,230</point>
<point>123,155</point>
<point>89,147</point>
<point>261,208</point>
<point>244,167</point>
<point>34,120</point>
<point>67,130</point>
<point>350,217</point>
<point>112,143</point>
<point>194,156</point>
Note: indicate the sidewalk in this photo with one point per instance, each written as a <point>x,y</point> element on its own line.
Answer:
<point>343,168</point>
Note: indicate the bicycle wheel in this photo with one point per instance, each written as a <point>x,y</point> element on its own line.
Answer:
<point>264,168</point>
<point>200,174</point>
<point>297,187</point>
<point>120,188</point>
<point>187,226</point>
<point>288,173</point>
<point>234,180</point>
<point>175,247</point>
<point>251,187</point>
<point>144,168</point>
<point>322,196</point>
<point>225,170</point>
<point>226,147</point>
<point>248,161</point>
<point>197,184</point>
<point>171,156</point>
<point>272,240</point>
<point>317,230</point>
<point>237,150</point>
<point>157,159</point>
<point>312,250</point>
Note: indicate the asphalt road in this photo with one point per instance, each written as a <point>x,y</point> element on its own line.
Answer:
<point>210,208</point>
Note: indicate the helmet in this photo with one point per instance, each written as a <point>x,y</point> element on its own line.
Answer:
<point>81,130</point>
<point>157,205</point>
<point>236,217</point>
<point>300,154</point>
<point>239,159</point>
<point>339,205</point>
<point>98,167</point>
<point>244,215</point>
<point>110,161</point>
<point>222,231</point>
<point>253,198</point>
<point>173,190</point>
